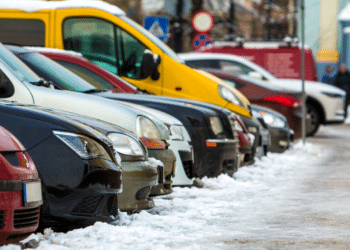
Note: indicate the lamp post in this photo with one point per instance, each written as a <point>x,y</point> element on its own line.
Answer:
<point>303,123</point>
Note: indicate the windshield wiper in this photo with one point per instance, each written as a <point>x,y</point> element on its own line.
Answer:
<point>95,91</point>
<point>143,91</point>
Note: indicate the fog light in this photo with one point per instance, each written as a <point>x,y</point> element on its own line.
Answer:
<point>142,193</point>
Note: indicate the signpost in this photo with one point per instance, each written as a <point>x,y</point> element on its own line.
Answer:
<point>202,22</point>
<point>201,39</point>
<point>158,26</point>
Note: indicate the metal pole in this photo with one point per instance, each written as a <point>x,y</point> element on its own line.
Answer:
<point>303,124</point>
<point>232,18</point>
<point>268,19</point>
<point>178,27</point>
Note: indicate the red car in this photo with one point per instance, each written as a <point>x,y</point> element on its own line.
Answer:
<point>20,190</point>
<point>282,59</point>
<point>257,92</point>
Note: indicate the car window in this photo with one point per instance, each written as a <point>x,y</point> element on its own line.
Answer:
<point>6,87</point>
<point>28,32</point>
<point>130,54</point>
<point>234,67</point>
<point>89,76</point>
<point>94,38</point>
<point>52,71</point>
<point>234,84</point>
<point>105,44</point>
<point>197,64</point>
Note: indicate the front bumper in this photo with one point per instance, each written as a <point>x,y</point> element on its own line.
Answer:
<point>221,156</point>
<point>184,162</point>
<point>138,180</point>
<point>280,139</point>
<point>168,158</point>
<point>17,221</point>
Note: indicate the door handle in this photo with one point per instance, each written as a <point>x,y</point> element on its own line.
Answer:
<point>178,88</point>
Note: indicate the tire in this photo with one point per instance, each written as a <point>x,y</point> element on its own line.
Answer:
<point>315,119</point>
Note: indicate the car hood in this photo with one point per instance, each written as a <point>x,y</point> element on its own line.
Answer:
<point>296,85</point>
<point>164,117</point>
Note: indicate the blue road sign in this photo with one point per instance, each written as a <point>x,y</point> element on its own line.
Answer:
<point>158,26</point>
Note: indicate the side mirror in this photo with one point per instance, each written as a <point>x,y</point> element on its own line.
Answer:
<point>256,75</point>
<point>155,75</point>
<point>147,65</point>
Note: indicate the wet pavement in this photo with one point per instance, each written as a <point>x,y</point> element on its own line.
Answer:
<point>311,209</point>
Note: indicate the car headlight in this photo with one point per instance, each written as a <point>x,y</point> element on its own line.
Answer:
<point>176,133</point>
<point>228,95</point>
<point>82,145</point>
<point>146,129</point>
<point>216,125</point>
<point>126,145</point>
<point>272,120</point>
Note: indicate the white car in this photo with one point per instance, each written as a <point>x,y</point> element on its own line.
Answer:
<point>325,103</point>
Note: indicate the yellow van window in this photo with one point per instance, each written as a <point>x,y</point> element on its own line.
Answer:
<point>94,38</point>
<point>130,54</point>
<point>104,44</point>
<point>22,32</point>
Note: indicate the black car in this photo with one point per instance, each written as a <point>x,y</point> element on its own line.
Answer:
<point>214,151</point>
<point>80,176</point>
<point>277,124</point>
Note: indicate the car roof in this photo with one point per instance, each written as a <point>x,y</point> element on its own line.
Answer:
<point>36,5</point>
<point>54,51</point>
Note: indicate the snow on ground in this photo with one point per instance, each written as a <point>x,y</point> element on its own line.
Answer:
<point>193,218</point>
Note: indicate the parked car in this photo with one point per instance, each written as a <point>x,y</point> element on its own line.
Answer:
<point>245,141</point>
<point>260,93</point>
<point>281,58</point>
<point>118,44</point>
<point>20,189</point>
<point>24,86</point>
<point>80,177</point>
<point>140,175</point>
<point>325,103</point>
<point>205,165</point>
<point>277,124</point>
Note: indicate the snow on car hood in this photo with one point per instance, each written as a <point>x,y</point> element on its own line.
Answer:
<point>295,85</point>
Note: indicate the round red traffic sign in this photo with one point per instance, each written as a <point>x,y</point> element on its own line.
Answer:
<point>202,21</point>
<point>200,39</point>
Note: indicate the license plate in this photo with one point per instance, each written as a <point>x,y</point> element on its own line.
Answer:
<point>32,193</point>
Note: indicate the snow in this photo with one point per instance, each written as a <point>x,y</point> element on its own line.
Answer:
<point>200,218</point>
<point>36,5</point>
<point>154,162</point>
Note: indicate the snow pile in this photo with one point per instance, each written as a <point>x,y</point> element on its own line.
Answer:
<point>197,218</point>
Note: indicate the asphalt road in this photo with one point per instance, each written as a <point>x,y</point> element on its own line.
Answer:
<point>313,210</point>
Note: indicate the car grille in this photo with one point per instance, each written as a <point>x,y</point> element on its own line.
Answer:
<point>26,217</point>
<point>114,209</point>
<point>16,236</point>
<point>88,205</point>
<point>2,219</point>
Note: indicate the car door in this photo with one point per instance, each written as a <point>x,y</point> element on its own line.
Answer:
<point>11,88</point>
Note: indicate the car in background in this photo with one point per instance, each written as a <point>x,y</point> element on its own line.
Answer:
<point>20,190</point>
<point>202,124</point>
<point>258,92</point>
<point>80,176</point>
<point>24,86</point>
<point>281,58</point>
<point>277,124</point>
<point>325,103</point>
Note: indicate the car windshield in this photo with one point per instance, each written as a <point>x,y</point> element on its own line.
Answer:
<point>260,82</point>
<point>59,75</point>
<point>21,71</point>
<point>153,38</point>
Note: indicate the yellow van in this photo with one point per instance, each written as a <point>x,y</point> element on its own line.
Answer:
<point>104,35</point>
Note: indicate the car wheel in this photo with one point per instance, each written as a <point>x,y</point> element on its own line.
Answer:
<point>315,119</point>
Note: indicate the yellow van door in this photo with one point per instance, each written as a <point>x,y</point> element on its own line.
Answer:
<point>22,28</point>
<point>107,41</point>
